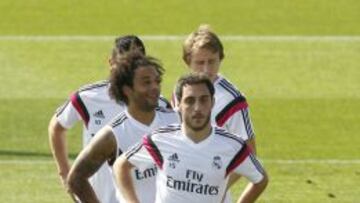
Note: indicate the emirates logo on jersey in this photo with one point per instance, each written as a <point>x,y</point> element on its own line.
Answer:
<point>217,163</point>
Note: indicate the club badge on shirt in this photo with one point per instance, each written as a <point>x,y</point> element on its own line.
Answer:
<point>217,163</point>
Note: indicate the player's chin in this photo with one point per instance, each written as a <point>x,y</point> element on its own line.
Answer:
<point>197,127</point>
<point>153,99</point>
<point>198,123</point>
<point>153,103</point>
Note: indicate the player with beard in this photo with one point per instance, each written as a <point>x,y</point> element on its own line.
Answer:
<point>134,81</point>
<point>92,105</point>
<point>192,168</point>
<point>203,52</point>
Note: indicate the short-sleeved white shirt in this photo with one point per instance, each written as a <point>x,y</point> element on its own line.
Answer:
<point>231,110</point>
<point>128,131</point>
<point>92,105</point>
<point>194,172</point>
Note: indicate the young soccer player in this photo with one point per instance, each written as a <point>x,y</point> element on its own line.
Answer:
<point>134,81</point>
<point>93,106</point>
<point>192,167</point>
<point>203,52</point>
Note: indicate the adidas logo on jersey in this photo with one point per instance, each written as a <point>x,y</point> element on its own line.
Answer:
<point>99,114</point>
<point>174,157</point>
<point>173,160</point>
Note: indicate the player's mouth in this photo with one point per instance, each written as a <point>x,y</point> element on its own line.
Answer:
<point>198,116</point>
<point>153,97</point>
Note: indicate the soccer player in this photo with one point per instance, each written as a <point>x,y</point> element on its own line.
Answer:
<point>134,81</point>
<point>93,106</point>
<point>191,165</point>
<point>203,52</point>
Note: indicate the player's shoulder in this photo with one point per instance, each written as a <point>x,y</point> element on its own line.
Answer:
<point>167,112</point>
<point>119,120</point>
<point>167,116</point>
<point>94,92</point>
<point>227,89</point>
<point>96,86</point>
<point>228,137</point>
<point>161,109</point>
<point>165,132</point>
<point>163,102</point>
<point>167,129</point>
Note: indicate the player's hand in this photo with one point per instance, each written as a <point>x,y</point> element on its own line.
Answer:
<point>74,198</point>
<point>72,195</point>
<point>63,177</point>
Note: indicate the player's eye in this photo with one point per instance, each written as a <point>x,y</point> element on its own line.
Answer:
<point>199,63</point>
<point>212,62</point>
<point>158,80</point>
<point>204,99</point>
<point>189,100</point>
<point>146,82</point>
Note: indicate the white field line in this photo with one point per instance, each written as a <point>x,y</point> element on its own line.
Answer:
<point>270,161</point>
<point>280,38</point>
<point>312,161</point>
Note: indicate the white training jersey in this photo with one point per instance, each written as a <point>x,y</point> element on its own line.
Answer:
<point>92,105</point>
<point>231,110</point>
<point>194,172</point>
<point>127,132</point>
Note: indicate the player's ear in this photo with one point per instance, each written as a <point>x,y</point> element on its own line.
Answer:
<point>111,63</point>
<point>187,60</point>
<point>126,90</point>
<point>179,107</point>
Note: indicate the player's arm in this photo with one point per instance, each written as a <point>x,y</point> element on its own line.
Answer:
<point>233,179</point>
<point>137,156</point>
<point>253,191</point>
<point>251,143</point>
<point>251,169</point>
<point>122,171</point>
<point>249,129</point>
<point>101,148</point>
<point>240,124</point>
<point>57,140</point>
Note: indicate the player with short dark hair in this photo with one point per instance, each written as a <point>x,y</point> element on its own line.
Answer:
<point>194,159</point>
<point>203,52</point>
<point>193,80</point>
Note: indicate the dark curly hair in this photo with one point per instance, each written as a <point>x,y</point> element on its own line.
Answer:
<point>127,43</point>
<point>124,72</point>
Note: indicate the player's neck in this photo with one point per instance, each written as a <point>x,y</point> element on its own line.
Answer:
<point>197,136</point>
<point>144,117</point>
<point>216,78</point>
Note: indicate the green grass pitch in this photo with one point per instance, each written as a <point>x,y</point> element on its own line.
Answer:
<point>304,94</point>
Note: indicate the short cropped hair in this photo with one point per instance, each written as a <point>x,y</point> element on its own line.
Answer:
<point>127,43</point>
<point>193,79</point>
<point>124,72</point>
<point>205,38</point>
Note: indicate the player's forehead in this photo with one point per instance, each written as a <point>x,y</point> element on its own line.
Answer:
<point>204,53</point>
<point>146,72</point>
<point>195,90</point>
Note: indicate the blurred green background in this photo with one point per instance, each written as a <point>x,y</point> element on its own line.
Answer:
<point>303,93</point>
